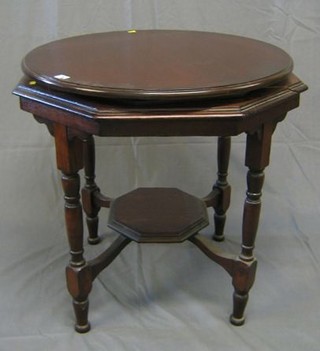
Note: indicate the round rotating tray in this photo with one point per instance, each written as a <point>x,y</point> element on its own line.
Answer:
<point>160,65</point>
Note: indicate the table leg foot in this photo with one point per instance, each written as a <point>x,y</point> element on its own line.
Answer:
<point>79,283</point>
<point>81,329</point>
<point>242,280</point>
<point>92,224</point>
<point>81,311</point>
<point>238,322</point>
<point>94,241</point>
<point>239,304</point>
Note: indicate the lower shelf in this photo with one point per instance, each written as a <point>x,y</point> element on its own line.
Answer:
<point>158,215</point>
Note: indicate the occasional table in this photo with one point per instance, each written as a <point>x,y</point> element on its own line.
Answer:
<point>158,83</point>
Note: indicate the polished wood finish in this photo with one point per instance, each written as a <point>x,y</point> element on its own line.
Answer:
<point>226,94</point>
<point>158,215</point>
<point>157,65</point>
<point>206,118</point>
<point>90,207</point>
<point>224,145</point>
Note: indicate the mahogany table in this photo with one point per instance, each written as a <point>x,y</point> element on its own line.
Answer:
<point>158,83</point>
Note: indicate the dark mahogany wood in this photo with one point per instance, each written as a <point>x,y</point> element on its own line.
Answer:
<point>157,65</point>
<point>70,161</point>
<point>158,215</point>
<point>206,118</point>
<point>90,207</point>
<point>257,158</point>
<point>224,144</point>
<point>105,258</point>
<point>158,83</point>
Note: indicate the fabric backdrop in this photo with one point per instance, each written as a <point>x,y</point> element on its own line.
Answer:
<point>160,297</point>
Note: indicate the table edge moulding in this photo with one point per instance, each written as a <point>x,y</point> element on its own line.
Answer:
<point>158,83</point>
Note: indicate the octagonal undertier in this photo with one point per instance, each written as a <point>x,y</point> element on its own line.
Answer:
<point>158,215</point>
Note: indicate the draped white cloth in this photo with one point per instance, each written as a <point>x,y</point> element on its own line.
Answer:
<point>160,297</point>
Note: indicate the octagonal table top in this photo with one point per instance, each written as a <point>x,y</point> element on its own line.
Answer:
<point>157,65</point>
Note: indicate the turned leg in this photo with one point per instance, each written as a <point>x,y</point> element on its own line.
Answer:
<point>243,280</point>
<point>224,144</point>
<point>78,275</point>
<point>89,189</point>
<point>79,282</point>
<point>257,158</point>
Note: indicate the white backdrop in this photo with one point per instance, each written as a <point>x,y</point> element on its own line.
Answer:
<point>160,297</point>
